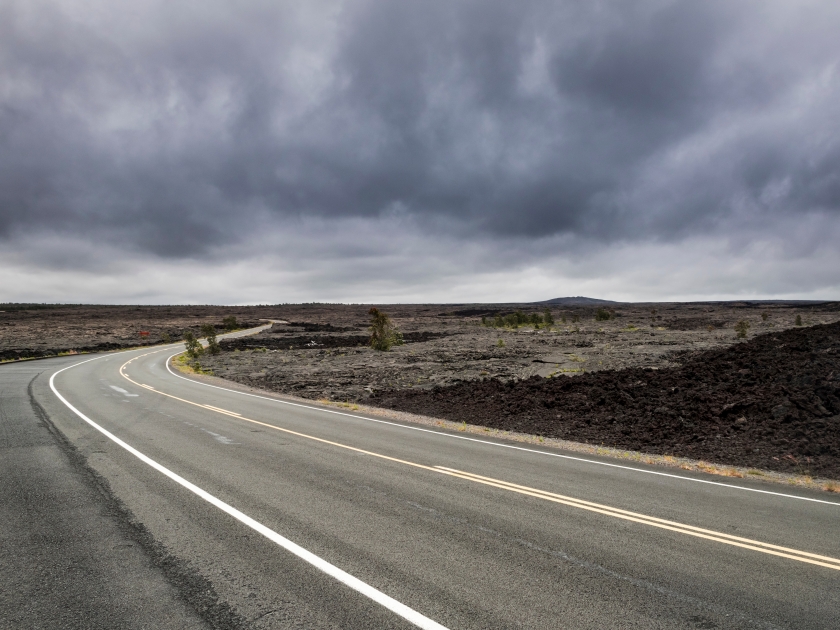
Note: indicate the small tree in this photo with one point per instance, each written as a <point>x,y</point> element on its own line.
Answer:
<point>602,315</point>
<point>383,333</point>
<point>230,322</point>
<point>209,332</point>
<point>194,348</point>
<point>548,318</point>
<point>741,328</point>
<point>799,320</point>
<point>515,320</point>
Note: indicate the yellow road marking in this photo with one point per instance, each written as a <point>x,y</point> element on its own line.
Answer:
<point>689,530</point>
<point>224,411</point>
<point>653,521</point>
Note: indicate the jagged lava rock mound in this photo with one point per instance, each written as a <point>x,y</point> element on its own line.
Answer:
<point>770,402</point>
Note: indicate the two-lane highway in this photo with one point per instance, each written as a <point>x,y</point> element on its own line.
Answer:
<point>308,517</point>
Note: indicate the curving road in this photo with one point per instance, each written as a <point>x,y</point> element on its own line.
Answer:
<point>215,506</point>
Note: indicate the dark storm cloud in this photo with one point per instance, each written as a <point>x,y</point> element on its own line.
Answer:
<point>174,129</point>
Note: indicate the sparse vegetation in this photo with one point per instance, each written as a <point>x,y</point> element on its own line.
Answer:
<point>741,328</point>
<point>209,332</point>
<point>383,333</point>
<point>194,347</point>
<point>185,364</point>
<point>602,315</point>
<point>518,318</point>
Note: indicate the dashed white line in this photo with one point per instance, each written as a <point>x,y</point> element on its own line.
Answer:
<point>356,584</point>
<point>120,390</point>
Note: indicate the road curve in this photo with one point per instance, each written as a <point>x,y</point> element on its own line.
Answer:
<point>303,517</point>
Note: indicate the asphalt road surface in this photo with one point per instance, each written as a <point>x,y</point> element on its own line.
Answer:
<point>133,497</point>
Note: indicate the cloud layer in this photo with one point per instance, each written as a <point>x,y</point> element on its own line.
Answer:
<point>468,147</point>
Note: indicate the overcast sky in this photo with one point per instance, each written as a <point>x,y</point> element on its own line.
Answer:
<point>457,151</point>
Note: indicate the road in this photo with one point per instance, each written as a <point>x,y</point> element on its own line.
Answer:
<point>242,510</point>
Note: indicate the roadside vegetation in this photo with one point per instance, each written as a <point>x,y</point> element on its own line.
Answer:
<point>544,320</point>
<point>209,332</point>
<point>518,318</point>
<point>383,332</point>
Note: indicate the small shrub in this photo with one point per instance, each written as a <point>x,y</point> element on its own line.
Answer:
<point>165,338</point>
<point>575,318</point>
<point>209,332</point>
<point>602,315</point>
<point>799,320</point>
<point>383,333</point>
<point>764,317</point>
<point>500,343</point>
<point>230,322</point>
<point>741,328</point>
<point>548,318</point>
<point>194,349</point>
<point>535,319</point>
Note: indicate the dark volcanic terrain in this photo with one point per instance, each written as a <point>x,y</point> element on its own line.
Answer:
<point>771,402</point>
<point>669,379</point>
<point>666,379</point>
<point>41,330</point>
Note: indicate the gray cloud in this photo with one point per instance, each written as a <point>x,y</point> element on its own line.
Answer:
<point>177,132</point>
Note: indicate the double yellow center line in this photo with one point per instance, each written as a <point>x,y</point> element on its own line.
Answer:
<point>635,517</point>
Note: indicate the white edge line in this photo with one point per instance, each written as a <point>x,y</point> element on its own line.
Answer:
<point>511,446</point>
<point>342,576</point>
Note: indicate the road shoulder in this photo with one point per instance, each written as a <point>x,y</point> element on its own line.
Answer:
<point>72,556</point>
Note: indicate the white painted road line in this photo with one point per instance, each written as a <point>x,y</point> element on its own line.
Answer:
<point>365,589</point>
<point>510,446</point>
<point>120,390</point>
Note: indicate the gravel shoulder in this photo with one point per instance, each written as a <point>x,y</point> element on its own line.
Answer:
<point>669,380</point>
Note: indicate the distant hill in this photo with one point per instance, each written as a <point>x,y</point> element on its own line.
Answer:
<point>577,301</point>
